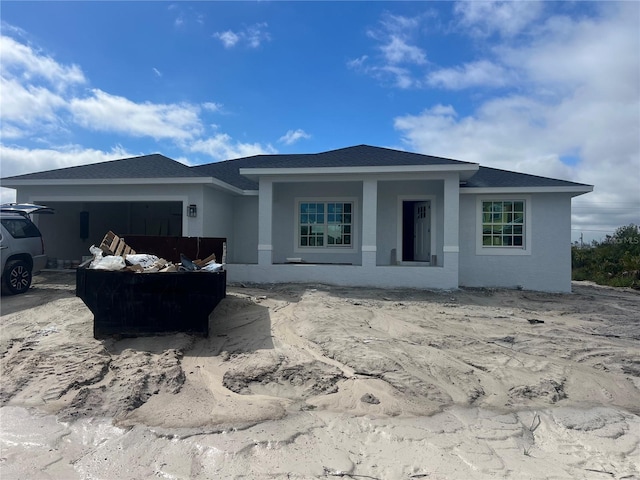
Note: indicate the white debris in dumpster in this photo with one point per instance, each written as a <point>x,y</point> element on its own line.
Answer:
<point>110,262</point>
<point>213,267</point>
<point>143,259</point>
<point>147,263</point>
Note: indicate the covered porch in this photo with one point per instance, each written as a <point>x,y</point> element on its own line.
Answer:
<point>401,230</point>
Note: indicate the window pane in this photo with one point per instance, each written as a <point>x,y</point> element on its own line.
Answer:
<point>325,224</point>
<point>503,223</point>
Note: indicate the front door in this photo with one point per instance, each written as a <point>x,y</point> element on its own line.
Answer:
<point>422,231</point>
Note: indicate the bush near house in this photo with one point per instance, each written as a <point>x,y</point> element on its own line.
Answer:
<point>615,261</point>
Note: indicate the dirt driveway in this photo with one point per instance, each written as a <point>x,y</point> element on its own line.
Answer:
<point>312,381</point>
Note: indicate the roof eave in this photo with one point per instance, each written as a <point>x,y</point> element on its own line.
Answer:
<point>104,181</point>
<point>575,190</point>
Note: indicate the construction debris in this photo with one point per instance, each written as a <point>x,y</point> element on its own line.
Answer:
<point>115,255</point>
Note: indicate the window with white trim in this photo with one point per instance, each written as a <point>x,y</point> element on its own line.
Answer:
<point>503,223</point>
<point>325,224</point>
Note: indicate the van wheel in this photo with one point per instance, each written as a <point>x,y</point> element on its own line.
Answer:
<point>17,277</point>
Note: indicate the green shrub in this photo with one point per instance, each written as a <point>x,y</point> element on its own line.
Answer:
<point>615,261</point>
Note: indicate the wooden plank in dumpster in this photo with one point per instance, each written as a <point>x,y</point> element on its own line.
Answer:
<point>138,304</point>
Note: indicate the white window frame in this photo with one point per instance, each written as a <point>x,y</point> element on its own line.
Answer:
<point>327,248</point>
<point>504,250</point>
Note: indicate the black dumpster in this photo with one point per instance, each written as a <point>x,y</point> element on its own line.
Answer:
<point>136,304</point>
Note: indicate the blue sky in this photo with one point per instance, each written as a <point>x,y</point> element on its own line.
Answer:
<point>549,88</point>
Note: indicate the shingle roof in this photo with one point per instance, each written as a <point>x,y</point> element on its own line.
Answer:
<point>159,166</point>
<point>487,177</point>
<point>147,166</point>
<point>356,156</point>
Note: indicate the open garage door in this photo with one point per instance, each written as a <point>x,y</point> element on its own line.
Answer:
<point>77,225</point>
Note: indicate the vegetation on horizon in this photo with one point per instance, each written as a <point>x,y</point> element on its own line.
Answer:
<point>615,261</point>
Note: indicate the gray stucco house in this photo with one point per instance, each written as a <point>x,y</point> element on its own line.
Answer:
<point>360,215</point>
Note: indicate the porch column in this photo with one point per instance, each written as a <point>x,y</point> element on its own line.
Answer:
<point>369,222</point>
<point>265,215</point>
<point>451,225</point>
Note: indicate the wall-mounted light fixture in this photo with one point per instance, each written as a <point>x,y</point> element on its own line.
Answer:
<point>192,211</point>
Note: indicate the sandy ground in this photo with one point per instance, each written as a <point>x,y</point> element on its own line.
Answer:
<point>310,381</point>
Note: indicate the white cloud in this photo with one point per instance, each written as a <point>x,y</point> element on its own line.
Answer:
<point>507,18</point>
<point>580,96</point>
<point>212,106</point>
<point>253,36</point>
<point>110,113</point>
<point>483,73</point>
<point>157,72</point>
<point>228,38</point>
<point>20,160</point>
<point>22,60</point>
<point>397,23</point>
<point>27,107</point>
<point>222,147</point>
<point>397,50</point>
<point>395,35</point>
<point>292,136</point>
<point>40,111</point>
<point>358,63</point>
<point>34,87</point>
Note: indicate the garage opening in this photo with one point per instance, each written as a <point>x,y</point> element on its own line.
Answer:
<point>76,226</point>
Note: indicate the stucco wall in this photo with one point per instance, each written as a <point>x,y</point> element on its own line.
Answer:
<point>245,231</point>
<point>547,268</point>
<point>217,215</point>
<point>284,216</point>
